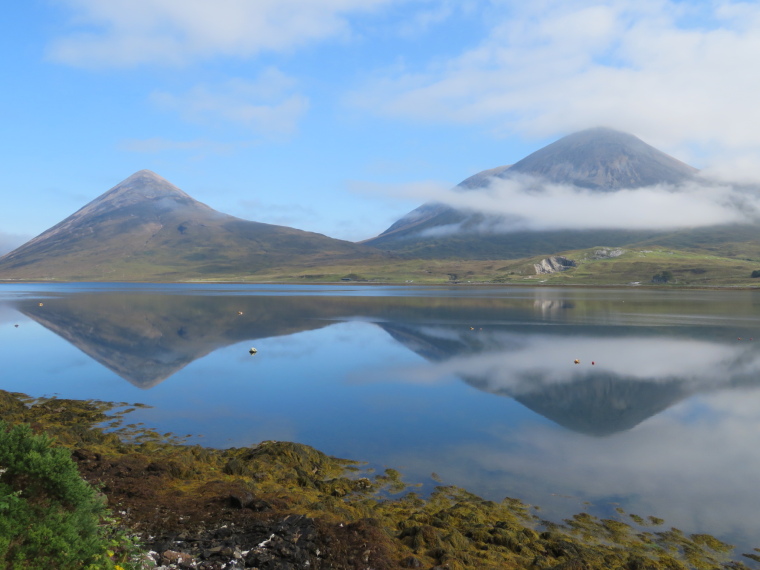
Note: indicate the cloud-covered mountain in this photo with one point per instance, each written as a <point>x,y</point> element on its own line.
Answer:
<point>147,228</point>
<point>591,188</point>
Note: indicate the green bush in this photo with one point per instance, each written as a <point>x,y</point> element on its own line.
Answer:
<point>662,277</point>
<point>755,274</point>
<point>49,516</point>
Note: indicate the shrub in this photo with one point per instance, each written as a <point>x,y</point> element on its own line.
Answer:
<point>49,516</point>
<point>662,277</point>
<point>755,273</point>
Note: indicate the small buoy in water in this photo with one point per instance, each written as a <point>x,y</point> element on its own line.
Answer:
<point>738,338</point>
<point>240,312</point>
<point>576,361</point>
<point>592,363</point>
<point>472,328</point>
<point>40,304</point>
<point>252,351</point>
<point>15,326</point>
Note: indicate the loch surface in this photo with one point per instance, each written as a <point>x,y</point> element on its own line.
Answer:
<point>472,386</point>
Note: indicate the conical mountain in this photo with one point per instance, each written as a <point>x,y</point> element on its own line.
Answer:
<point>599,159</point>
<point>146,228</point>
<point>602,159</point>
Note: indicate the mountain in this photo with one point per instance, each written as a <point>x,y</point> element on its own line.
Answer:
<point>600,159</point>
<point>146,228</point>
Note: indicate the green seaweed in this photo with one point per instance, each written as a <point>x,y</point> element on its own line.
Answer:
<point>450,527</point>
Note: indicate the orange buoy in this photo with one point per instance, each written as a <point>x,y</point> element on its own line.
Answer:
<point>576,361</point>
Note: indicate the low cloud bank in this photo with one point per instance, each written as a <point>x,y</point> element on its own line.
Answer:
<point>524,203</point>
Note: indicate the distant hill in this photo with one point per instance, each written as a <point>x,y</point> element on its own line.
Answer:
<point>146,228</point>
<point>600,159</point>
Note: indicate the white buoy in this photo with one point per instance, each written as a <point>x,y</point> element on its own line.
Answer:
<point>252,351</point>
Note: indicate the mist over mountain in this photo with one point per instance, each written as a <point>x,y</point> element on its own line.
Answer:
<point>591,188</point>
<point>145,227</point>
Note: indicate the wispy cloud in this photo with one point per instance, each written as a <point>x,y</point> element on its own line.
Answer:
<point>266,105</point>
<point>9,242</point>
<point>159,144</point>
<point>294,215</point>
<point>122,33</point>
<point>672,72</point>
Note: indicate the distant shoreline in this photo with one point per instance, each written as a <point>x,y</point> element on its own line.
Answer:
<point>528,285</point>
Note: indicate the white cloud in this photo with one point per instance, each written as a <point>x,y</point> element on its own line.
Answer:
<point>120,33</point>
<point>523,203</point>
<point>671,72</point>
<point>694,204</point>
<point>431,14</point>
<point>265,105</point>
<point>159,144</point>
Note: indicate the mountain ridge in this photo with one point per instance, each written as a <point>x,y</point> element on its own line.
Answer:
<point>145,227</point>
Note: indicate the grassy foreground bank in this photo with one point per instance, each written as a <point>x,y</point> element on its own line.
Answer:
<point>158,487</point>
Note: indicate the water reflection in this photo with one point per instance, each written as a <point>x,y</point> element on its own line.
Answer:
<point>145,339</point>
<point>635,360</point>
<point>621,378</point>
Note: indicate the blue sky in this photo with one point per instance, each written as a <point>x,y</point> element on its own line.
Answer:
<point>339,116</point>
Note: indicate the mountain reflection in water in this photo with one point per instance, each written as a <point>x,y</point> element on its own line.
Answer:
<point>639,369</point>
<point>664,422</point>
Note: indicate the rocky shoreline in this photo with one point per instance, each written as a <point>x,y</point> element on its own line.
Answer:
<point>282,506</point>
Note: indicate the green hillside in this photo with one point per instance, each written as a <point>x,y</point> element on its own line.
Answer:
<point>634,267</point>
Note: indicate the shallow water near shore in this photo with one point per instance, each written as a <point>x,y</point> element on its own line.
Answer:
<point>476,387</point>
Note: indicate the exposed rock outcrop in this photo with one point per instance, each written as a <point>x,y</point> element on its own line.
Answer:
<point>607,253</point>
<point>553,264</point>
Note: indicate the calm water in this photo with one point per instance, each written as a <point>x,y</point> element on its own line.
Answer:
<point>476,385</point>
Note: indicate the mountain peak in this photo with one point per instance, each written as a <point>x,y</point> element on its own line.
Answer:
<point>603,159</point>
<point>142,185</point>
